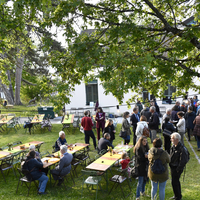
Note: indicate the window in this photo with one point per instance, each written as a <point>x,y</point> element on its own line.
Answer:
<point>168,93</point>
<point>91,92</point>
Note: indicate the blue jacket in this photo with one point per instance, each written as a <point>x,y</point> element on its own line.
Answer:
<point>64,166</point>
<point>34,166</point>
<point>59,142</point>
<point>189,118</point>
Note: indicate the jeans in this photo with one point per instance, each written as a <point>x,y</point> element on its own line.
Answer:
<point>198,141</point>
<point>182,137</point>
<point>140,186</point>
<point>127,140</point>
<point>89,134</point>
<point>176,182</point>
<point>154,187</point>
<point>153,135</point>
<point>43,182</point>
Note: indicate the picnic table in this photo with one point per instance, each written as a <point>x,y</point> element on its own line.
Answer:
<point>6,119</point>
<point>36,143</point>
<point>4,154</point>
<point>67,120</point>
<point>37,119</point>
<point>106,161</point>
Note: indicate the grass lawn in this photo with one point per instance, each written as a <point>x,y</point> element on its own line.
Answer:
<point>190,186</point>
<point>22,110</point>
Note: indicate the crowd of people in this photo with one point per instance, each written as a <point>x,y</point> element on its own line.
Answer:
<point>175,122</point>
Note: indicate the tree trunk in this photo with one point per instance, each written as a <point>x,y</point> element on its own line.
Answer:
<point>18,78</point>
<point>7,93</point>
<point>10,85</point>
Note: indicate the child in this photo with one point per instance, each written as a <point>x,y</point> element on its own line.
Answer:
<point>124,162</point>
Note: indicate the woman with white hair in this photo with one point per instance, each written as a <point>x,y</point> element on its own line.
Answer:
<point>60,141</point>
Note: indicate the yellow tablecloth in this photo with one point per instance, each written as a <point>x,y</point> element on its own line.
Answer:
<point>68,120</point>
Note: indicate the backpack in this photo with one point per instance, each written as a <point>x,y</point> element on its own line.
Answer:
<point>187,153</point>
<point>26,171</point>
<point>157,167</point>
<point>146,131</point>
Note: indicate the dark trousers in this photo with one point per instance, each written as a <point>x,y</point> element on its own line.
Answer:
<point>134,136</point>
<point>188,132</point>
<point>167,143</point>
<point>98,133</point>
<point>176,183</point>
<point>89,134</point>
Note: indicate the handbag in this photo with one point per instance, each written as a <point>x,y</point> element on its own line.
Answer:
<point>81,129</point>
<point>146,132</point>
<point>123,134</point>
<point>134,172</point>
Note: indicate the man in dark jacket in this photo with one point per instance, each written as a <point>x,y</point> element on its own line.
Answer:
<point>135,118</point>
<point>64,166</point>
<point>178,161</point>
<point>104,143</point>
<point>145,112</point>
<point>34,167</point>
<point>153,122</point>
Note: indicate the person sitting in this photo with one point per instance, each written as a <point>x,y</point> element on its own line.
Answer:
<point>125,160</point>
<point>104,142</point>
<point>64,166</point>
<point>109,128</point>
<point>60,141</point>
<point>34,167</point>
<point>32,148</point>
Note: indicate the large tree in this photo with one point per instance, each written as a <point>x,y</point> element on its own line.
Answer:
<point>136,44</point>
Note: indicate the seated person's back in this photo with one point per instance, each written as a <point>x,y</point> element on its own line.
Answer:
<point>104,142</point>
<point>60,141</point>
<point>64,166</point>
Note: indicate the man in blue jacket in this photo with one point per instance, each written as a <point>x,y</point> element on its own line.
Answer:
<point>60,141</point>
<point>64,166</point>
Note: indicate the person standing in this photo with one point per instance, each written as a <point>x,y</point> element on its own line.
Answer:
<point>175,110</point>
<point>153,122</point>
<point>100,118</point>
<point>109,128</point>
<point>141,162</point>
<point>196,131</point>
<point>183,108</point>
<point>135,118</point>
<point>198,107</point>
<point>167,139</point>
<point>139,105</point>
<point>126,127</point>
<point>181,125</point>
<point>189,118</point>
<point>87,125</point>
<point>140,126</point>
<point>178,161</point>
<point>156,152</point>
<point>145,112</point>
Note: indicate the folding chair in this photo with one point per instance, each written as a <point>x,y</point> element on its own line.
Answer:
<point>17,143</point>
<point>75,162</point>
<point>83,155</point>
<point>93,179</point>
<point>119,179</point>
<point>6,164</point>
<point>23,179</point>
<point>76,124</point>
<point>17,157</point>
<point>38,147</point>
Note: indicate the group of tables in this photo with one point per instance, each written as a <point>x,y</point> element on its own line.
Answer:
<point>16,149</point>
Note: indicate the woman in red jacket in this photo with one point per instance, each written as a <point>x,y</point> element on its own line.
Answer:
<point>100,118</point>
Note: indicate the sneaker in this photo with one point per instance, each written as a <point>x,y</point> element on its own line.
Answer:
<point>144,194</point>
<point>42,193</point>
<point>198,149</point>
<point>137,198</point>
<point>172,197</point>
